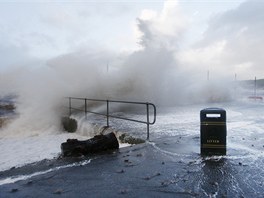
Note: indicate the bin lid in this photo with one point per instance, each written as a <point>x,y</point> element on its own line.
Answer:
<point>213,110</point>
<point>213,114</point>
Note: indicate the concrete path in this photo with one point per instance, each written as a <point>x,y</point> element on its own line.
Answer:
<point>145,170</point>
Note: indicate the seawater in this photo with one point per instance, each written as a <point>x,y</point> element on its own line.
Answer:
<point>245,133</point>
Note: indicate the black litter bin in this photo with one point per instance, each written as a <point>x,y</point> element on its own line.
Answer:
<point>213,131</point>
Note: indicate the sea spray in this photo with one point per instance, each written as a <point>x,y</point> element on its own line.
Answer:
<point>152,73</point>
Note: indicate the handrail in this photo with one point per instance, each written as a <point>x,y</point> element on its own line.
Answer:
<point>108,102</point>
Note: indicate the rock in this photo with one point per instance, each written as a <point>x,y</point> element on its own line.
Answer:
<point>98,143</point>
<point>123,191</point>
<point>69,124</point>
<point>58,191</point>
<point>29,182</point>
<point>120,171</point>
<point>14,190</point>
<point>3,122</point>
<point>9,107</point>
<point>124,138</point>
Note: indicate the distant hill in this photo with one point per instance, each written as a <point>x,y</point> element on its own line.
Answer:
<point>251,83</point>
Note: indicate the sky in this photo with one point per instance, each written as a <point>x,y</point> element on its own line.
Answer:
<point>171,39</point>
<point>212,35</point>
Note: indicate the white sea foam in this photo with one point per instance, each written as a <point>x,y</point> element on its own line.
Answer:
<point>24,177</point>
<point>18,150</point>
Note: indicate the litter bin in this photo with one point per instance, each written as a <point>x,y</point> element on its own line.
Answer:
<point>213,131</point>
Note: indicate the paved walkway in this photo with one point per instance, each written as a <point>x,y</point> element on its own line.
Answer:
<point>145,170</point>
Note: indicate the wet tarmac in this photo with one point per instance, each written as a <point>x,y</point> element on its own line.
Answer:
<point>167,167</point>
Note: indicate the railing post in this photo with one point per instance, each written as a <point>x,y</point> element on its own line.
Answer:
<point>85,101</point>
<point>147,104</point>
<point>69,106</point>
<point>107,113</point>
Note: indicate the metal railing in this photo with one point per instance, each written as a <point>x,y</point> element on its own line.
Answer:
<point>108,115</point>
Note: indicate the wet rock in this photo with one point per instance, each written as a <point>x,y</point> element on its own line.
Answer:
<point>123,191</point>
<point>147,178</point>
<point>214,184</point>
<point>69,124</point>
<point>58,191</point>
<point>8,107</point>
<point>14,190</point>
<point>3,122</point>
<point>213,194</point>
<point>152,176</point>
<point>99,143</point>
<point>191,162</point>
<point>125,138</point>
<point>120,171</point>
<point>29,182</point>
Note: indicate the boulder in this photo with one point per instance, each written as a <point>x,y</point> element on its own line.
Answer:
<point>69,124</point>
<point>99,143</point>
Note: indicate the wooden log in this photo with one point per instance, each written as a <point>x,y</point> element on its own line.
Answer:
<point>98,143</point>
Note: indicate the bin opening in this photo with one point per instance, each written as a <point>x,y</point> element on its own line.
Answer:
<point>213,115</point>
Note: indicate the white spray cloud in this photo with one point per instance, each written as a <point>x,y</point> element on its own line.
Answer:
<point>159,72</point>
<point>148,73</point>
<point>164,29</point>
